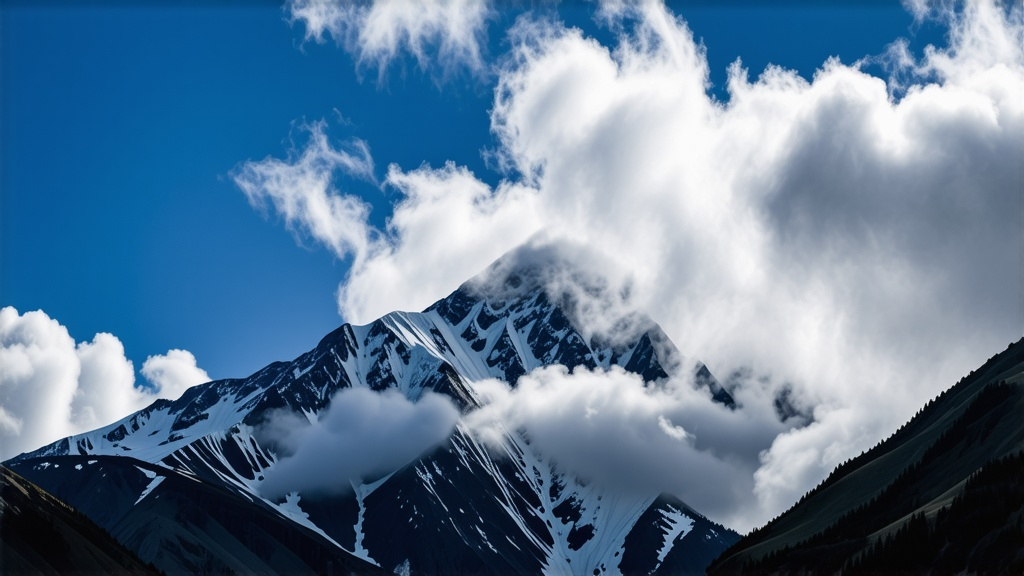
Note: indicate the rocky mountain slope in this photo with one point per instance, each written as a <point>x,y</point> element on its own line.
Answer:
<point>42,535</point>
<point>183,477</point>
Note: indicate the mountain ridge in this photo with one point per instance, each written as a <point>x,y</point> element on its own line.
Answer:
<point>460,508</point>
<point>42,534</point>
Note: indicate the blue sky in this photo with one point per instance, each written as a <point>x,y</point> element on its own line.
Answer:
<point>121,126</point>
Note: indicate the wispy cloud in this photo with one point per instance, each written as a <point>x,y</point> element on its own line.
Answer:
<point>52,387</point>
<point>301,190</point>
<point>442,35</point>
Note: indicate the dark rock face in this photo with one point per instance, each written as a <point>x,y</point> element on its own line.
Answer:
<point>42,535</point>
<point>462,508</point>
<point>691,551</point>
<point>184,526</point>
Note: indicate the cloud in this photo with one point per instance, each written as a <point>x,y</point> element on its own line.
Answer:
<point>106,384</point>
<point>51,387</point>
<point>608,428</point>
<point>362,435</point>
<point>440,233</point>
<point>173,373</point>
<point>595,293</point>
<point>858,248</point>
<point>38,372</point>
<point>448,33</point>
<point>300,189</point>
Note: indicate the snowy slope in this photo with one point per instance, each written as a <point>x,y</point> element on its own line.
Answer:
<point>461,508</point>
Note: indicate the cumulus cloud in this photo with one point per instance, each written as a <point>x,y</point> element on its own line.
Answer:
<point>173,373</point>
<point>448,33</point>
<point>363,435</point>
<point>106,383</point>
<point>52,387</point>
<point>857,248</point>
<point>608,428</point>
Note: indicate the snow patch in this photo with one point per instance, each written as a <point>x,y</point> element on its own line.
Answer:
<point>156,480</point>
<point>297,373</point>
<point>290,508</point>
<point>361,492</point>
<point>678,525</point>
<point>149,473</point>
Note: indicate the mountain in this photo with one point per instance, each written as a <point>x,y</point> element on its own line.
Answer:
<point>185,526</point>
<point>179,482</point>
<point>42,535</point>
<point>943,494</point>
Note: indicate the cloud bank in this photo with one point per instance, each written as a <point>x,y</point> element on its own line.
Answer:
<point>52,387</point>
<point>606,427</point>
<point>854,243</point>
<point>363,435</point>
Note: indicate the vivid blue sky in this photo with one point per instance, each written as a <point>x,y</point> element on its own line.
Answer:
<point>121,126</point>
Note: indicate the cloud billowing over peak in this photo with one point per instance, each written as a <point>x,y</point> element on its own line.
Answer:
<point>594,292</point>
<point>849,238</point>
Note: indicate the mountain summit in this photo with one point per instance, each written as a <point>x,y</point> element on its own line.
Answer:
<point>185,490</point>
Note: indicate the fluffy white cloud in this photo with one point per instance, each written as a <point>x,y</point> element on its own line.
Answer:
<point>38,379</point>
<point>609,429</point>
<point>51,387</point>
<point>362,435</point>
<point>173,373</point>
<point>856,243</point>
<point>106,383</point>
<point>451,33</point>
<point>441,233</point>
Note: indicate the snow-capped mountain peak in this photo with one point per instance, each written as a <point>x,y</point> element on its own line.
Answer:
<point>494,511</point>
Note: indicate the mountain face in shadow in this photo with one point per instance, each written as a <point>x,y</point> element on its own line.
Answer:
<point>944,494</point>
<point>39,534</point>
<point>186,526</point>
<point>179,482</point>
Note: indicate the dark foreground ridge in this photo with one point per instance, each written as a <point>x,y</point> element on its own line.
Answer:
<point>189,527</point>
<point>39,534</point>
<point>944,494</point>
